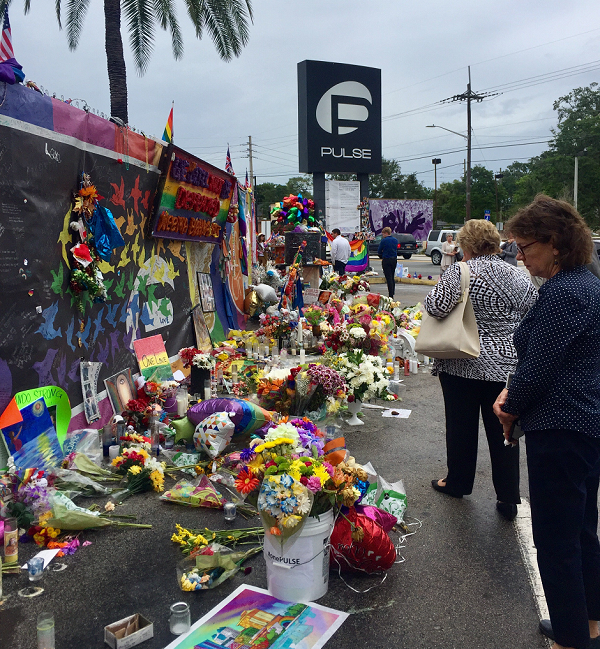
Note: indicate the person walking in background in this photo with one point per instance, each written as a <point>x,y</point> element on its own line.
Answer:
<point>388,253</point>
<point>501,295</point>
<point>340,252</point>
<point>449,250</point>
<point>261,250</point>
<point>555,395</point>
<point>509,251</point>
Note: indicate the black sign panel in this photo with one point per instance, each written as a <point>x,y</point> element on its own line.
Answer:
<point>339,118</point>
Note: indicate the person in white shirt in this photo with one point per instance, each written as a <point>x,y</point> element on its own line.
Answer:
<point>340,252</point>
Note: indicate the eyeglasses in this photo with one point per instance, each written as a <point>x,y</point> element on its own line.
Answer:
<point>521,249</point>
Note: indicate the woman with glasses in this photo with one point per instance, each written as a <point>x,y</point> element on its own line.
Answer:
<point>555,396</point>
<point>501,295</point>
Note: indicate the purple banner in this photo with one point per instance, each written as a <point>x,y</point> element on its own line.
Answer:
<point>411,216</point>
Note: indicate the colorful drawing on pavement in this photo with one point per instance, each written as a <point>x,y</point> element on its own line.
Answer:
<point>250,617</point>
<point>411,216</point>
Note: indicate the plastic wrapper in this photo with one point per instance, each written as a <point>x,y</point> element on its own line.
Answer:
<point>86,441</point>
<point>195,493</point>
<point>266,293</point>
<point>213,434</point>
<point>82,484</point>
<point>182,459</point>
<point>381,517</point>
<point>246,416</point>
<point>359,544</point>
<point>211,568</point>
<point>391,497</point>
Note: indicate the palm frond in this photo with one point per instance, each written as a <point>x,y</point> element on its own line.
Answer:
<point>167,19</point>
<point>57,10</point>
<point>195,13</point>
<point>76,10</point>
<point>140,24</point>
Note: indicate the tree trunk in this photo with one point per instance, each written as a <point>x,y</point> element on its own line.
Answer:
<point>117,75</point>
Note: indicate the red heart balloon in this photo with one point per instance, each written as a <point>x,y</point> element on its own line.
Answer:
<point>374,553</point>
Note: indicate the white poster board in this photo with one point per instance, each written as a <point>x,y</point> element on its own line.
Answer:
<point>341,201</point>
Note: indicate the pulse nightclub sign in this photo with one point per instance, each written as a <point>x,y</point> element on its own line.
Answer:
<point>339,118</point>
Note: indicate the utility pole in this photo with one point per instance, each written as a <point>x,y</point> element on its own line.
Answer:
<point>435,162</point>
<point>468,97</point>
<point>250,162</point>
<point>497,177</point>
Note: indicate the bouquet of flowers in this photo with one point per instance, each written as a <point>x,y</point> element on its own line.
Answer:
<point>192,356</point>
<point>146,477</point>
<point>353,284</point>
<point>409,318</point>
<point>314,315</point>
<point>291,479</point>
<point>273,326</point>
<point>365,375</point>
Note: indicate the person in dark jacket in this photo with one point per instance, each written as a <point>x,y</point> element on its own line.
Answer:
<point>388,253</point>
<point>555,395</point>
<point>509,251</point>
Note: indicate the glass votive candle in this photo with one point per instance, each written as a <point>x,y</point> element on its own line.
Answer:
<point>229,511</point>
<point>35,568</point>
<point>179,620</point>
<point>11,540</point>
<point>45,630</point>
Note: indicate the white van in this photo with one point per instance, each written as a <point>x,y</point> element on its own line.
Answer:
<point>434,244</point>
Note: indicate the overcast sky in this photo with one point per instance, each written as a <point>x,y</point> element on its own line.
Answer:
<point>423,49</point>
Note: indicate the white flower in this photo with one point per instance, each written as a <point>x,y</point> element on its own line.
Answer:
<point>283,430</point>
<point>303,506</point>
<point>358,332</point>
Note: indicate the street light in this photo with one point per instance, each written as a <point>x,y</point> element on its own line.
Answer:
<point>435,162</point>
<point>468,173</point>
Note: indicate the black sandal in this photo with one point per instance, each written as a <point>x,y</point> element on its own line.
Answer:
<point>445,490</point>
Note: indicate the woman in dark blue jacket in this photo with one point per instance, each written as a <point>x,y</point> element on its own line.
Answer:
<point>555,395</point>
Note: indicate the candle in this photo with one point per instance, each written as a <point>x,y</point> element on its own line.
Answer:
<point>113,451</point>
<point>182,401</point>
<point>206,393</point>
<point>299,331</point>
<point>302,356</point>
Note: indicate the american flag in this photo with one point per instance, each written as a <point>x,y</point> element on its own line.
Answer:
<point>6,48</point>
<point>228,165</point>
<point>247,184</point>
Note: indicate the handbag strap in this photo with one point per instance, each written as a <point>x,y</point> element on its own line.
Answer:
<point>465,280</point>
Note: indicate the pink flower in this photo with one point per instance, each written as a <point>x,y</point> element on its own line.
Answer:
<point>314,484</point>
<point>329,469</point>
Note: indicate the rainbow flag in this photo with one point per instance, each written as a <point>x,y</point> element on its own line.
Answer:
<point>168,134</point>
<point>359,259</point>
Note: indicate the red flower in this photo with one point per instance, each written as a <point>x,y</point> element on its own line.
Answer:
<point>304,480</point>
<point>246,482</point>
<point>350,398</point>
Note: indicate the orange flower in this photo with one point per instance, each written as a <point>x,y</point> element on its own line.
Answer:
<point>246,482</point>
<point>275,531</point>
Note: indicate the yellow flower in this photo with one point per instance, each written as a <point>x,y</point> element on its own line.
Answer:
<point>43,518</point>
<point>117,460</point>
<point>157,480</point>
<point>135,469</point>
<point>321,473</point>
<point>39,539</point>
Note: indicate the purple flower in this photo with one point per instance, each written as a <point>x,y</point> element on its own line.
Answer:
<point>314,484</point>
<point>246,455</point>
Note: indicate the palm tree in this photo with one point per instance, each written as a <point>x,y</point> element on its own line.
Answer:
<point>226,21</point>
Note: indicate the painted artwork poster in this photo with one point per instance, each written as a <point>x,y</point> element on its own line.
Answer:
<point>33,441</point>
<point>250,617</point>
<point>120,389</point>
<point>207,295</point>
<point>410,216</point>
<point>203,340</point>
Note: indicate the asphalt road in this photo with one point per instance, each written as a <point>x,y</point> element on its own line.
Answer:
<point>463,584</point>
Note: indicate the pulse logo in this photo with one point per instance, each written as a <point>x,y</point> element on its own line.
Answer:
<point>340,111</point>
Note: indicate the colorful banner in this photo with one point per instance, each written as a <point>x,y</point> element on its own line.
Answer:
<point>359,257</point>
<point>193,198</point>
<point>402,216</point>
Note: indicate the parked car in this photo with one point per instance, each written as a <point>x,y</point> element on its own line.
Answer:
<point>434,244</point>
<point>407,244</point>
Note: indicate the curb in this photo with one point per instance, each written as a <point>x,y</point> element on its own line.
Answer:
<point>403,280</point>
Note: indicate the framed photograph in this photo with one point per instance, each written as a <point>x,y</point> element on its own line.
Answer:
<point>120,389</point>
<point>205,289</point>
<point>203,340</point>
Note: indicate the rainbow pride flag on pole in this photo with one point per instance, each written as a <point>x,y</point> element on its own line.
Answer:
<point>168,134</point>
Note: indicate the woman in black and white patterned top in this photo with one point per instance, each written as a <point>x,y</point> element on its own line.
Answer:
<point>501,295</point>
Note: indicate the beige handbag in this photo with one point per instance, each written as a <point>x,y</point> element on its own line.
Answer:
<point>456,335</point>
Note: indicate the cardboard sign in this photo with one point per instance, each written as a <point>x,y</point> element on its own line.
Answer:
<point>152,359</point>
<point>310,295</point>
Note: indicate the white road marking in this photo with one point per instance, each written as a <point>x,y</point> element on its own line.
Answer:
<point>529,555</point>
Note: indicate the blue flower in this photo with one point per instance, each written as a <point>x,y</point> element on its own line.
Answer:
<point>286,481</point>
<point>247,454</point>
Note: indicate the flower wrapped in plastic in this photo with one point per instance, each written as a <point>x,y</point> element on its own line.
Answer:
<point>283,505</point>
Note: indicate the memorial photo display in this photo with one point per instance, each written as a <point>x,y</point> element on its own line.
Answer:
<point>205,290</point>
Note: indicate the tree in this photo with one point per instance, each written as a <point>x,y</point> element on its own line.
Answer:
<point>226,21</point>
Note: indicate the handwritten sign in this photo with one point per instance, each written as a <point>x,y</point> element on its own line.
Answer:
<point>152,359</point>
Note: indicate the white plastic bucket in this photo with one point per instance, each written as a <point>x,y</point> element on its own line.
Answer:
<point>301,574</point>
